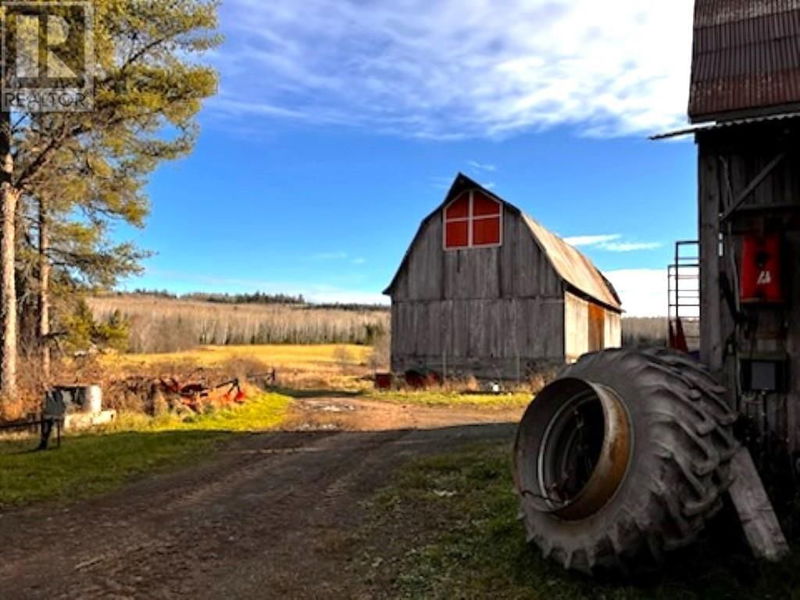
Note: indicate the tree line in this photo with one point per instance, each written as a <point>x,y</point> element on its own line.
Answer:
<point>256,298</point>
<point>156,324</point>
<point>67,177</point>
<point>251,298</point>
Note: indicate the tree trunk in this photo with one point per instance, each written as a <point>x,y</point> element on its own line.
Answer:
<point>8,284</point>
<point>44,290</point>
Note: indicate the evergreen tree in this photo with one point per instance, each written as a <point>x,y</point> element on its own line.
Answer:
<point>66,175</point>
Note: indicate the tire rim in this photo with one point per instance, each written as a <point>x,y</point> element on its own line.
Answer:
<point>574,448</point>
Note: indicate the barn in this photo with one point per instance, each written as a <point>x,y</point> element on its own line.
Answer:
<point>485,290</point>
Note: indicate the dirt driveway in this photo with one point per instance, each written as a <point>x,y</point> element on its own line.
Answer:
<point>270,516</point>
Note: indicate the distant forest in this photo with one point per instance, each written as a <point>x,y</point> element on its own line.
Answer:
<point>164,323</point>
<point>254,298</point>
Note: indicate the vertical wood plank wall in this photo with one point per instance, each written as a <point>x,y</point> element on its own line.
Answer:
<point>728,162</point>
<point>492,313</point>
<point>589,327</point>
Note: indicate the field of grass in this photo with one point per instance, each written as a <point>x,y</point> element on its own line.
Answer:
<point>333,368</point>
<point>452,522</point>
<point>314,369</point>
<point>323,356</point>
<point>91,464</point>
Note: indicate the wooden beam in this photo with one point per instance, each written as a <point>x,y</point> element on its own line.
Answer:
<point>711,339</point>
<point>759,179</point>
<point>761,526</point>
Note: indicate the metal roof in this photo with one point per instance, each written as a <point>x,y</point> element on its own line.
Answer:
<point>746,58</point>
<point>577,271</point>
<point>725,125</point>
<point>572,266</point>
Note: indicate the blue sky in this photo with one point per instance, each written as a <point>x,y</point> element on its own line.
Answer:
<point>340,124</point>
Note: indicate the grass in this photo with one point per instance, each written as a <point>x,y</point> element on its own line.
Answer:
<point>278,356</point>
<point>91,464</point>
<point>438,398</point>
<point>452,519</point>
<point>259,413</point>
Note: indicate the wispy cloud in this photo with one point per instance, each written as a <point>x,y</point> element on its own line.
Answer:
<point>359,261</point>
<point>591,240</point>
<point>610,243</point>
<point>479,166</point>
<point>630,246</point>
<point>458,68</point>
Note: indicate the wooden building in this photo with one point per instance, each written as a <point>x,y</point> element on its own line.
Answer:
<point>485,290</point>
<point>745,107</point>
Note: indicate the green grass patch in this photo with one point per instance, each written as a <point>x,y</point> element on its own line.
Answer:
<point>442,398</point>
<point>259,413</point>
<point>452,519</point>
<point>99,462</point>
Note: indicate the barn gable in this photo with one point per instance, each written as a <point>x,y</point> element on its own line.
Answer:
<point>556,268</point>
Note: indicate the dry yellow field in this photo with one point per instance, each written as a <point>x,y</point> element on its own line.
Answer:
<point>338,367</point>
<point>288,357</point>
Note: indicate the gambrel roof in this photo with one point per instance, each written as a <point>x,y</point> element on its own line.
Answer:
<point>578,272</point>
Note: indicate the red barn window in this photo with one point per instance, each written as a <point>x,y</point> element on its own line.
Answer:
<point>473,220</point>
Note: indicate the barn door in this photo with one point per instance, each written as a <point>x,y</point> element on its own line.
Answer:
<point>597,327</point>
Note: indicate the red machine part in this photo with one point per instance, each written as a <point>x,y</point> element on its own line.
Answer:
<point>761,269</point>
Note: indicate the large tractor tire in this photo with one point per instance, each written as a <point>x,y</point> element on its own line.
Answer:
<point>623,458</point>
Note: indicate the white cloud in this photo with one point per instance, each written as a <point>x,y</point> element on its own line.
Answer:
<point>610,243</point>
<point>591,240</point>
<point>459,68</point>
<point>643,291</point>
<point>359,261</point>
<point>482,166</point>
<point>630,246</point>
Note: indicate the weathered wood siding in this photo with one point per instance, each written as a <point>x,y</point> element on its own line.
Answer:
<point>503,338</point>
<point>517,269</point>
<point>728,162</point>
<point>589,327</point>
<point>490,312</point>
<point>613,337</point>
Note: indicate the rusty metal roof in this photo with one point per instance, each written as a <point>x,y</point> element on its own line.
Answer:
<point>574,268</point>
<point>746,58</point>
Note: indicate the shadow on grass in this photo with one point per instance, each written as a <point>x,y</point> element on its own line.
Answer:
<point>87,465</point>
<point>452,519</point>
<point>92,464</point>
